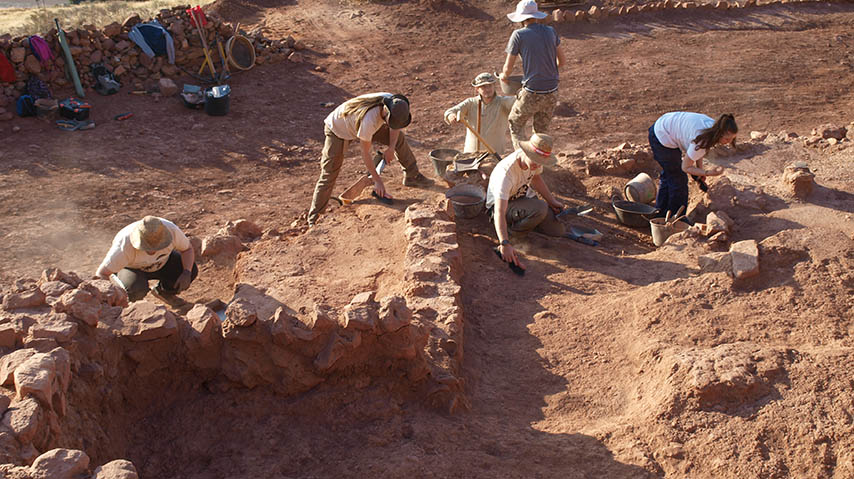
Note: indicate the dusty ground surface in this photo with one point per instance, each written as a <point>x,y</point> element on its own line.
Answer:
<point>577,369</point>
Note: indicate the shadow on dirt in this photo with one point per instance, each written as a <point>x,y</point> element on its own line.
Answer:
<point>832,198</point>
<point>509,380</point>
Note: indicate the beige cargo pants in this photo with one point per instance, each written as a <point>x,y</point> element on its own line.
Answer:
<point>333,157</point>
<point>527,105</point>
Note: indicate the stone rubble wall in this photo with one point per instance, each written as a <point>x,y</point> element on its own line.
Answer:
<point>134,69</point>
<point>67,344</point>
<point>596,14</point>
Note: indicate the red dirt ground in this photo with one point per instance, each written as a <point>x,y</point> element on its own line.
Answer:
<point>571,371</point>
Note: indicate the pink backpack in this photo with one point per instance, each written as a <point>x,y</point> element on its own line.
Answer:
<point>41,50</point>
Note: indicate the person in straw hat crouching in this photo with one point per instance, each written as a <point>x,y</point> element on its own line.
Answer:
<point>486,112</point>
<point>151,248</point>
<point>511,195</point>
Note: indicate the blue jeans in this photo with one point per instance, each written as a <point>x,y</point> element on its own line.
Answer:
<point>673,182</point>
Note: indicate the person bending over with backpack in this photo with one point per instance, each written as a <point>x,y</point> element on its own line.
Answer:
<point>679,141</point>
<point>375,117</point>
<point>151,248</point>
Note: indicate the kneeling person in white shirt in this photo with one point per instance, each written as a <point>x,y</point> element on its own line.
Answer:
<point>151,248</point>
<point>511,200</point>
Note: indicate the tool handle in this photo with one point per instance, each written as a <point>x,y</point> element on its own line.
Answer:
<point>477,135</point>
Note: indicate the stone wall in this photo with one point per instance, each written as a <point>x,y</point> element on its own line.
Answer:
<point>135,70</point>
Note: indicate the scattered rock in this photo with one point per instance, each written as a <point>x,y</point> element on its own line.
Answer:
<point>167,87</point>
<point>225,245</point>
<point>27,299</point>
<point>394,314</point>
<point>716,263</point>
<point>745,259</point>
<point>243,229</point>
<point>112,29</point>
<point>799,180</point>
<point>758,135</point>
<point>26,419</point>
<point>118,469</point>
<point>205,325</point>
<point>241,313</point>
<point>60,464</point>
<point>56,327</point>
<point>830,131</point>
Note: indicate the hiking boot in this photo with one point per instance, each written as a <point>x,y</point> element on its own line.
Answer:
<point>417,181</point>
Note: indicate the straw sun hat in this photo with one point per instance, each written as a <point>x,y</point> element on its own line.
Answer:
<point>150,234</point>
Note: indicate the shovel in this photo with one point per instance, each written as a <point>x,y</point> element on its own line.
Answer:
<point>476,134</point>
<point>577,211</point>
<point>355,190</point>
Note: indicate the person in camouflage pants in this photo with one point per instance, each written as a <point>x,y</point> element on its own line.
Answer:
<point>541,106</point>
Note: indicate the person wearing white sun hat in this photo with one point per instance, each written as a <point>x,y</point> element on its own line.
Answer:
<point>539,47</point>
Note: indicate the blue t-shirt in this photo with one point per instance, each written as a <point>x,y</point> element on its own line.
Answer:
<point>537,44</point>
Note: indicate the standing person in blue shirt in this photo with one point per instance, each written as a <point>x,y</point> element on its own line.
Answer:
<point>538,45</point>
<point>690,134</point>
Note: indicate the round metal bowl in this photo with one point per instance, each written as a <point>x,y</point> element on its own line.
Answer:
<point>466,199</point>
<point>633,214</point>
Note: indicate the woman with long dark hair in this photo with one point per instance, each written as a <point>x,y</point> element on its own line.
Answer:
<point>679,141</point>
<point>375,117</point>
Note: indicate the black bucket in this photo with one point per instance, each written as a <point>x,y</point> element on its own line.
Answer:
<point>217,100</point>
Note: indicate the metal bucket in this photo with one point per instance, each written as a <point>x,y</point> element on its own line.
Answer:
<point>441,159</point>
<point>512,84</point>
<point>662,231</point>
<point>641,189</point>
<point>467,200</point>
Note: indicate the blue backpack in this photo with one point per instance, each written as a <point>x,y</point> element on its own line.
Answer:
<point>25,105</point>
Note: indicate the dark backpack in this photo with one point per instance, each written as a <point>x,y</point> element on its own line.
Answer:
<point>25,106</point>
<point>37,88</point>
<point>105,81</point>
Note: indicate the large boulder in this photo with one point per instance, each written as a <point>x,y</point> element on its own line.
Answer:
<point>362,312</point>
<point>11,361</point>
<point>27,420</point>
<point>799,180</point>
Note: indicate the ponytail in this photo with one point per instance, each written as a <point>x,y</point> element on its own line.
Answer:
<point>712,135</point>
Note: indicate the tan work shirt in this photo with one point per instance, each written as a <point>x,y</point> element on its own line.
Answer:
<point>493,121</point>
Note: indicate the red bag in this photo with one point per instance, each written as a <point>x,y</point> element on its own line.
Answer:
<point>196,12</point>
<point>7,71</point>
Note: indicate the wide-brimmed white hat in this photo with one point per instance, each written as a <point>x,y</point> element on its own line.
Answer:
<point>526,9</point>
<point>150,234</point>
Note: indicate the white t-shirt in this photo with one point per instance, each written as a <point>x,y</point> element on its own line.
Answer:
<point>508,178</point>
<point>678,130</point>
<point>344,127</point>
<point>122,254</point>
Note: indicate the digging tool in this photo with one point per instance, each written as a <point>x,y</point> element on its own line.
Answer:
<point>355,190</point>
<point>224,74</point>
<point>701,183</point>
<point>518,270</point>
<point>581,239</point>
<point>69,60</point>
<point>577,211</point>
<point>676,217</point>
<point>208,60</point>
<point>480,138</point>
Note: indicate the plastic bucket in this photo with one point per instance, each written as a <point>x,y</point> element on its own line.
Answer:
<point>441,158</point>
<point>641,189</point>
<point>512,85</point>
<point>467,200</point>
<point>662,231</point>
<point>217,100</point>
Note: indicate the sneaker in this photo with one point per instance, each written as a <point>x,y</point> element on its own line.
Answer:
<point>416,181</point>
